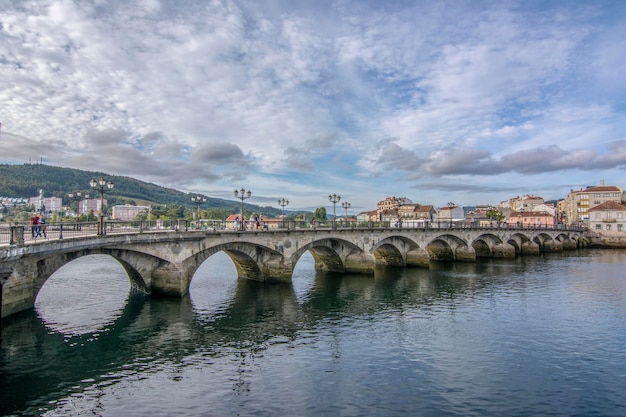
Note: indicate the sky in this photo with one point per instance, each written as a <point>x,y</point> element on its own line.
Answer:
<point>469,102</point>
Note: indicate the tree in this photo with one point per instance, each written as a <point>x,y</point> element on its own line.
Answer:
<point>495,214</point>
<point>320,214</point>
<point>217,214</point>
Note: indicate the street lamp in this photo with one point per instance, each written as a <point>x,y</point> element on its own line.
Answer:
<point>198,199</point>
<point>346,205</point>
<point>334,198</point>
<point>282,202</point>
<point>242,195</point>
<point>102,185</point>
<point>77,194</point>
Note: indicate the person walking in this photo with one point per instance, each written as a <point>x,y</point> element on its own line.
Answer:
<point>33,225</point>
<point>42,225</point>
<point>37,226</point>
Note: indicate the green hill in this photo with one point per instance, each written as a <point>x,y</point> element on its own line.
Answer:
<point>26,181</point>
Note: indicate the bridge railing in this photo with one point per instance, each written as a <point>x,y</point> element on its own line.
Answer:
<point>425,225</point>
<point>19,234</point>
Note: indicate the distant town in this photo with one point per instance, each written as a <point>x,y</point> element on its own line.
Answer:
<point>599,208</point>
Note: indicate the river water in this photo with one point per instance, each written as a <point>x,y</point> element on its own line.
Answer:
<point>534,336</point>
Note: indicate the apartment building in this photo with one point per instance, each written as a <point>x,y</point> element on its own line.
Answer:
<point>525,202</point>
<point>128,213</point>
<point>392,203</point>
<point>49,204</point>
<point>450,213</point>
<point>578,202</point>
<point>91,204</point>
<point>608,217</point>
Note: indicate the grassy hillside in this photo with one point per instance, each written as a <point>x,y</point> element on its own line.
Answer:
<point>26,181</point>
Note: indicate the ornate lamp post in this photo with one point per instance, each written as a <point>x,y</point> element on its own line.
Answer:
<point>102,185</point>
<point>242,195</point>
<point>346,205</point>
<point>198,199</point>
<point>334,198</point>
<point>77,194</point>
<point>282,202</point>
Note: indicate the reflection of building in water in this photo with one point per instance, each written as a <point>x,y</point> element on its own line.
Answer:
<point>128,212</point>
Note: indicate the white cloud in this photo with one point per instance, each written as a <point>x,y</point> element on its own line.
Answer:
<point>205,94</point>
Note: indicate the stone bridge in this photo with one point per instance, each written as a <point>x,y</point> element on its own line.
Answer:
<point>165,262</point>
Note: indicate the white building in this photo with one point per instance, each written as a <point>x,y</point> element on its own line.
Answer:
<point>608,217</point>
<point>450,213</point>
<point>127,212</point>
<point>49,204</point>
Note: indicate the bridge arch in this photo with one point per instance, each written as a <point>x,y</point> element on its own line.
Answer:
<point>44,268</point>
<point>29,274</point>
<point>399,251</point>
<point>335,255</point>
<point>490,245</point>
<point>252,261</point>
<point>547,243</point>
<point>567,242</point>
<point>484,245</point>
<point>448,247</point>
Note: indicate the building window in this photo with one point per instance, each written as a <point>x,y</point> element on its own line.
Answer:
<point>620,227</point>
<point>598,227</point>
<point>608,227</point>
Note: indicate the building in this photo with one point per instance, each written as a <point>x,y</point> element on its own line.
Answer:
<point>128,213</point>
<point>528,218</point>
<point>450,213</point>
<point>578,203</point>
<point>389,215</point>
<point>415,215</point>
<point>392,203</point>
<point>548,208</point>
<point>47,204</point>
<point>526,202</point>
<point>608,217</point>
<point>91,204</point>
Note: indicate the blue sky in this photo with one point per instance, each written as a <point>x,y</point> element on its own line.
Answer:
<point>471,102</point>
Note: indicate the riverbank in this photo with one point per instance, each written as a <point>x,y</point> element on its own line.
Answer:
<point>605,240</point>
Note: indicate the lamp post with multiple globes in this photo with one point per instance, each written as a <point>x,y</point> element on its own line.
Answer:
<point>78,195</point>
<point>346,205</point>
<point>102,185</point>
<point>242,195</point>
<point>198,199</point>
<point>334,198</point>
<point>282,202</point>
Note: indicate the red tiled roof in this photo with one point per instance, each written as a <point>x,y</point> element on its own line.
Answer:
<point>423,209</point>
<point>599,189</point>
<point>608,205</point>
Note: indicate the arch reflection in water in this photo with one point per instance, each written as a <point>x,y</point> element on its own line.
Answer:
<point>84,296</point>
<point>213,286</point>
<point>303,279</point>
